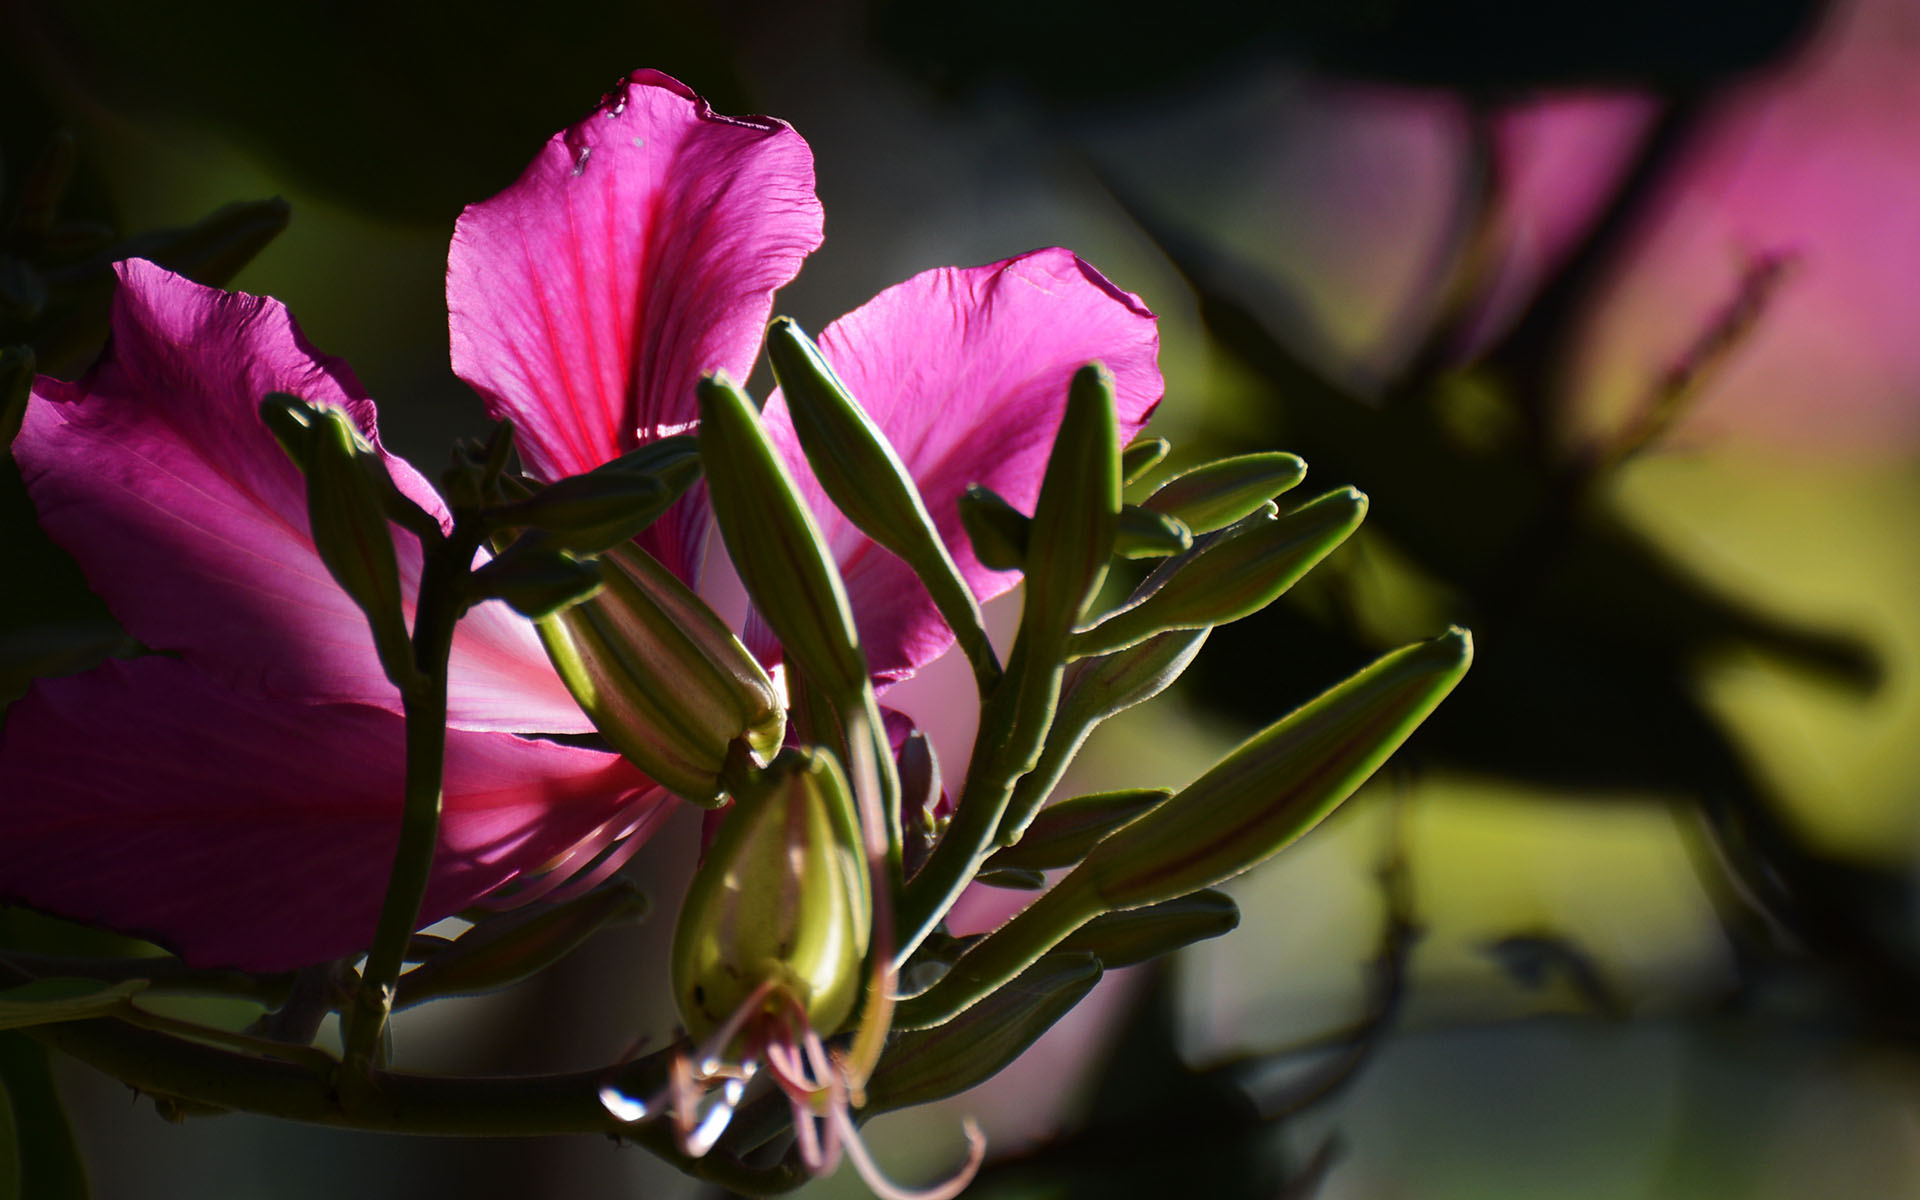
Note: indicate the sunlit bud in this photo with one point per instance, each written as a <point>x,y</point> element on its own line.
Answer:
<point>536,579</point>
<point>1143,533</point>
<point>16,384</point>
<point>609,504</point>
<point>1063,833</point>
<point>1121,939</point>
<point>1255,802</point>
<point>502,950</point>
<point>1238,572</point>
<point>1278,784</point>
<point>1141,456</point>
<point>1219,493</point>
<point>348,518</point>
<point>1071,538</point>
<point>661,676</point>
<point>782,897</point>
<point>865,479</point>
<point>781,557</point>
<point>997,529</point>
<point>932,1064</point>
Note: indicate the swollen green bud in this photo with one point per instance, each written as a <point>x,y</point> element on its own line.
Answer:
<point>661,676</point>
<point>1141,456</point>
<point>997,529</point>
<point>1234,574</point>
<point>347,513</point>
<point>1219,493</point>
<point>782,559</point>
<point>1071,538</point>
<point>782,897</point>
<point>866,480</point>
<point>1143,533</point>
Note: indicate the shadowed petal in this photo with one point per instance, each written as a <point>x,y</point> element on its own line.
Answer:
<point>966,371</point>
<point>639,250</point>
<point>259,834</point>
<point>157,474</point>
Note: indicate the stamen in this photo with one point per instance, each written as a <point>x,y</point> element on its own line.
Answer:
<point>885,1188</point>
<point>721,1104</point>
<point>709,1055</point>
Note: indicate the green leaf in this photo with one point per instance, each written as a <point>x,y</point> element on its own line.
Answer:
<point>45,1001</point>
<point>1063,833</point>
<point>1217,494</point>
<point>997,530</point>
<point>931,1064</point>
<point>1121,939</point>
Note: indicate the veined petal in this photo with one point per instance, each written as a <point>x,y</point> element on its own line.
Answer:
<point>966,371</point>
<point>639,250</point>
<point>155,471</point>
<point>259,834</point>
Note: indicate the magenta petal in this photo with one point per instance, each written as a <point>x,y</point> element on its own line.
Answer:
<point>640,249</point>
<point>157,474</point>
<point>259,834</point>
<point>966,371</point>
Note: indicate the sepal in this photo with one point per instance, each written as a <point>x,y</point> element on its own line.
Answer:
<point>997,530</point>
<point>1217,494</point>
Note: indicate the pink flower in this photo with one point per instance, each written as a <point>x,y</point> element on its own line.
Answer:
<point>236,795</point>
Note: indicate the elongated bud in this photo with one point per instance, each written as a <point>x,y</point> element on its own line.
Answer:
<point>1063,833</point>
<point>1143,533</point>
<point>608,505</point>
<point>1071,538</point>
<point>505,949</point>
<point>782,897</point>
<point>214,248</point>
<point>1256,801</point>
<point>997,529</point>
<point>1280,783</point>
<point>348,518</point>
<point>1238,573</point>
<point>1121,939</point>
<point>1141,456</point>
<point>536,579</point>
<point>1219,493</point>
<point>865,479</point>
<point>661,676</point>
<point>782,559</point>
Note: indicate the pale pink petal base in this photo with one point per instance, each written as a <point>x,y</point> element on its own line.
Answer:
<point>640,250</point>
<point>156,473</point>
<point>259,834</point>
<point>966,372</point>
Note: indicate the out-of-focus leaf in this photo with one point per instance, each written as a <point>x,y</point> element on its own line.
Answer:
<point>46,1161</point>
<point>45,1001</point>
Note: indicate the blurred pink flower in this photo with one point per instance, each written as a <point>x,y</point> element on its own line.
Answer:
<point>235,796</point>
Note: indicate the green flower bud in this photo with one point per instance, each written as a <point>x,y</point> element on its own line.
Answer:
<point>997,529</point>
<point>1143,455</point>
<point>1219,493</point>
<point>781,557</point>
<point>536,579</point>
<point>1063,833</point>
<point>1236,573</point>
<point>1071,538</point>
<point>782,896</point>
<point>865,479</point>
<point>347,513</point>
<point>661,676</point>
<point>1143,533</point>
<point>1121,939</point>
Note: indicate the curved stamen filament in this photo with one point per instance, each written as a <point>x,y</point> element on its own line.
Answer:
<point>885,1188</point>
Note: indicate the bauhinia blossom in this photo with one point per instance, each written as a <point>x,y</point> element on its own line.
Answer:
<point>236,795</point>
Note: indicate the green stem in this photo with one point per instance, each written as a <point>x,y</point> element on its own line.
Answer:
<point>1002,955</point>
<point>436,612</point>
<point>169,976</point>
<point>1013,728</point>
<point>397,1102</point>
